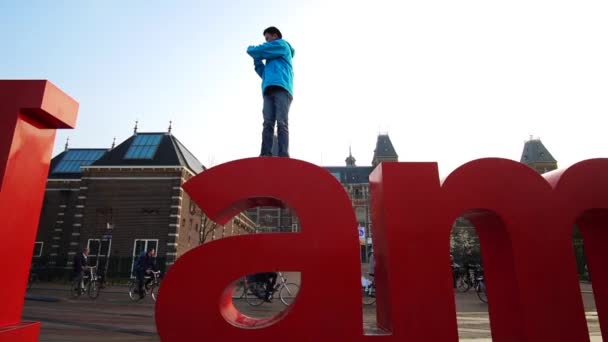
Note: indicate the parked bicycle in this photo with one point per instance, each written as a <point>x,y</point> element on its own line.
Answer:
<point>88,283</point>
<point>466,278</point>
<point>471,278</point>
<point>255,291</point>
<point>151,285</point>
<point>480,287</point>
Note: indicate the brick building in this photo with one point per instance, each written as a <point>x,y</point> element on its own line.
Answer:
<point>123,200</point>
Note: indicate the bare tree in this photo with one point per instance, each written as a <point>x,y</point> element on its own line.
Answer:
<point>208,226</point>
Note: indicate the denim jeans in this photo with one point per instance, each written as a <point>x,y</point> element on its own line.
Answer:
<point>276,109</point>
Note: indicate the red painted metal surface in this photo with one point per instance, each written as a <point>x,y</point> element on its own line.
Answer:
<point>30,112</point>
<point>585,186</point>
<point>195,301</point>
<point>27,331</point>
<point>525,224</point>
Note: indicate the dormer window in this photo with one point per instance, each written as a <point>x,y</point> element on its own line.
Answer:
<point>144,146</point>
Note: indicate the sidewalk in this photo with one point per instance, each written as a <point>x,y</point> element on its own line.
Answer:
<point>114,315</point>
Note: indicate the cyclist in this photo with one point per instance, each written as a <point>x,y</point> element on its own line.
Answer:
<point>368,284</point>
<point>267,278</point>
<point>81,264</point>
<point>146,263</point>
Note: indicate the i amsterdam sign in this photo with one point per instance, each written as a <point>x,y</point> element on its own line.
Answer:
<point>524,222</point>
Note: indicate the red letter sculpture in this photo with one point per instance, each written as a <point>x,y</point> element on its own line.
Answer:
<point>585,187</point>
<point>525,224</point>
<point>196,303</point>
<point>30,111</point>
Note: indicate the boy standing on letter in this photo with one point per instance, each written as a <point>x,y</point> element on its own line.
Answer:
<point>273,62</point>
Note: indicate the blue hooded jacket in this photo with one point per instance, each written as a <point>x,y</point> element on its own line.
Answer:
<point>278,70</point>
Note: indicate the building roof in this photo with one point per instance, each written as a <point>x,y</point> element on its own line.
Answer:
<point>535,152</point>
<point>67,164</point>
<point>384,149</point>
<point>350,160</point>
<point>151,149</point>
<point>187,158</point>
<point>350,174</point>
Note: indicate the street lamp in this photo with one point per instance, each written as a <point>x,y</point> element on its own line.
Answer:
<point>107,237</point>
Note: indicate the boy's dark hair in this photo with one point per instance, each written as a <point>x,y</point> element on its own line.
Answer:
<point>273,30</point>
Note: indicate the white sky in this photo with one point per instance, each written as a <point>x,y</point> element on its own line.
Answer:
<point>450,81</point>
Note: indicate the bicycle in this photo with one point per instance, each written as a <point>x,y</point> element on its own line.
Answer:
<point>255,293</point>
<point>151,285</point>
<point>368,288</point>
<point>460,278</point>
<point>87,283</point>
<point>467,278</point>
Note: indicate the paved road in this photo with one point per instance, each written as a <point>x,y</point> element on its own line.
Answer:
<point>113,317</point>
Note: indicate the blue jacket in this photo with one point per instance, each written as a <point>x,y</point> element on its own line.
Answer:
<point>278,70</point>
<point>145,262</point>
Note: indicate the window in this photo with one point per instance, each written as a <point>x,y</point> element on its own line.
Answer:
<point>99,250</point>
<point>141,245</point>
<point>361,214</point>
<point>38,248</point>
<point>74,159</point>
<point>93,246</point>
<point>99,247</point>
<point>144,146</point>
